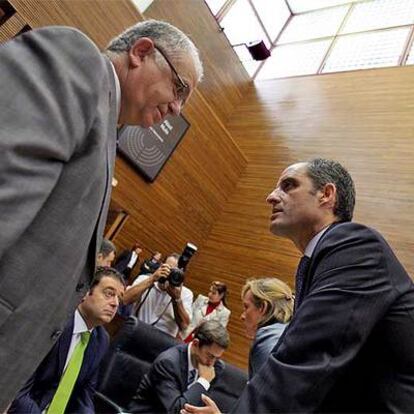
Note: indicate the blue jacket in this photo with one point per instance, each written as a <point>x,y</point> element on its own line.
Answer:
<point>39,390</point>
<point>265,340</point>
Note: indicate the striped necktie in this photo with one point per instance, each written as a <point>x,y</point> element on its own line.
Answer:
<point>300,279</point>
<point>67,382</point>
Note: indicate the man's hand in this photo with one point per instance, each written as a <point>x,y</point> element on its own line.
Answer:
<point>208,373</point>
<point>210,408</point>
<point>174,292</point>
<point>163,271</point>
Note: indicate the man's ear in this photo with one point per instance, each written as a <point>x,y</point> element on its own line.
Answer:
<point>141,48</point>
<point>327,197</point>
<point>196,342</point>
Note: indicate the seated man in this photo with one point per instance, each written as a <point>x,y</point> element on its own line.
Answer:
<point>182,373</point>
<point>164,306</point>
<point>65,380</point>
<point>106,254</point>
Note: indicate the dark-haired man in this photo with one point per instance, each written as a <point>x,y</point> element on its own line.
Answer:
<point>349,346</point>
<point>65,380</point>
<point>106,254</point>
<point>183,373</point>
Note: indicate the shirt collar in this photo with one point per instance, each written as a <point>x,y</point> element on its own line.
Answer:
<point>190,364</point>
<point>79,324</point>
<point>310,248</point>
<point>117,89</point>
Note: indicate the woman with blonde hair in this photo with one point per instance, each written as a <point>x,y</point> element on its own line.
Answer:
<point>267,309</point>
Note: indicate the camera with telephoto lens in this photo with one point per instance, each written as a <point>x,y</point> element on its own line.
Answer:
<point>176,276</point>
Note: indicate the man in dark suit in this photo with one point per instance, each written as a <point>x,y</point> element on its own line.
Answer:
<point>183,373</point>
<point>60,103</point>
<point>44,389</point>
<point>127,260</point>
<point>349,346</point>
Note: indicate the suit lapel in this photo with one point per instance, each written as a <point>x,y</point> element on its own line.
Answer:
<point>310,272</point>
<point>110,154</point>
<point>64,344</point>
<point>183,361</point>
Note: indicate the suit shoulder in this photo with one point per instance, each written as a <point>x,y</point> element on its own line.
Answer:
<point>349,232</point>
<point>102,336</point>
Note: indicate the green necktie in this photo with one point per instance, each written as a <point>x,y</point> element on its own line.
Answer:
<point>68,380</point>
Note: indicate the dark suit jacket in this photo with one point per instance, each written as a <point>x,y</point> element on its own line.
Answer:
<point>41,387</point>
<point>58,118</point>
<point>122,263</point>
<point>164,388</point>
<point>349,346</point>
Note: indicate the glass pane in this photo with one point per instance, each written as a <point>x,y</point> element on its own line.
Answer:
<point>274,14</point>
<point>300,6</point>
<point>379,14</point>
<point>293,60</point>
<point>410,59</point>
<point>251,66</point>
<point>215,5</point>
<point>320,23</point>
<point>241,25</point>
<point>367,50</point>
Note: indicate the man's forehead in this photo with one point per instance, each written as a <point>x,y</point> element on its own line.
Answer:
<point>293,170</point>
<point>110,282</point>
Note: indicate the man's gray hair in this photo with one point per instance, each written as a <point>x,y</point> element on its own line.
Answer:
<point>107,247</point>
<point>322,172</point>
<point>167,37</point>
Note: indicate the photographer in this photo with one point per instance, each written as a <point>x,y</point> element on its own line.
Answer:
<point>160,303</point>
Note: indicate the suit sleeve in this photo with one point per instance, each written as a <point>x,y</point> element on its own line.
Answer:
<point>24,403</point>
<point>166,377</point>
<point>49,84</point>
<point>349,292</point>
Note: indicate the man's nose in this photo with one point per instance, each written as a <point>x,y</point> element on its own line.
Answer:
<point>273,197</point>
<point>175,107</point>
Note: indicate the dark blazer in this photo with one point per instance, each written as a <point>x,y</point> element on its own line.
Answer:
<point>58,117</point>
<point>164,388</point>
<point>349,346</point>
<point>39,390</point>
<point>122,261</point>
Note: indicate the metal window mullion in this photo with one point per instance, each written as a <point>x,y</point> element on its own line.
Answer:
<point>225,9</point>
<point>331,46</point>
<point>273,45</point>
<point>407,47</point>
<point>260,21</point>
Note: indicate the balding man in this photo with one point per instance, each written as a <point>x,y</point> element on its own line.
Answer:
<point>60,103</point>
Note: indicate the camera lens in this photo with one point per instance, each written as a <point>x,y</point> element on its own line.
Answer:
<point>176,277</point>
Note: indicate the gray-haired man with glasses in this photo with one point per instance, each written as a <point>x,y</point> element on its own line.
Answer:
<point>60,103</point>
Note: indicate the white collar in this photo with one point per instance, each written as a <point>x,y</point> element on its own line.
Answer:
<point>190,364</point>
<point>79,324</point>
<point>310,248</point>
<point>117,89</point>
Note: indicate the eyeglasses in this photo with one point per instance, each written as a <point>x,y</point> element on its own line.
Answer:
<point>182,89</point>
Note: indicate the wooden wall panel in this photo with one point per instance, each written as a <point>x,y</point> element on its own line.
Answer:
<point>100,20</point>
<point>187,197</point>
<point>363,119</point>
<point>226,81</point>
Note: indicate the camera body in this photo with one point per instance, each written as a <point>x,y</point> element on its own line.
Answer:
<point>176,276</point>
